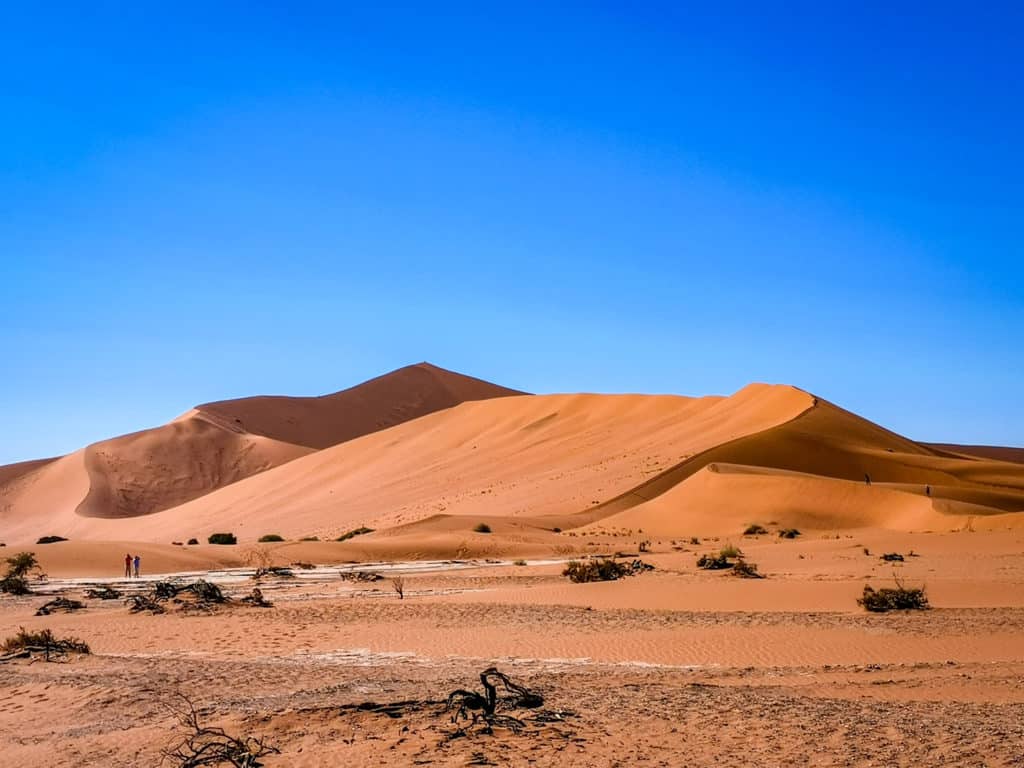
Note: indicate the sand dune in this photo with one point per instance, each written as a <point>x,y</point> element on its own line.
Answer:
<point>523,464</point>
<point>212,446</point>
<point>532,456</point>
<point>320,422</point>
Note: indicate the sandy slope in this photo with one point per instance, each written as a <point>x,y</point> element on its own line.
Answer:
<point>319,422</point>
<point>531,456</point>
<point>210,447</point>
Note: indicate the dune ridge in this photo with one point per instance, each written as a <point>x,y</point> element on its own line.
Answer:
<point>425,472</point>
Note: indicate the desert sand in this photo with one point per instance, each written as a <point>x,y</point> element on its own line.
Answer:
<point>672,666</point>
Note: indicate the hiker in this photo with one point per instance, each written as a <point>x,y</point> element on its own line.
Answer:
<point>867,479</point>
<point>927,490</point>
<point>128,566</point>
<point>138,562</point>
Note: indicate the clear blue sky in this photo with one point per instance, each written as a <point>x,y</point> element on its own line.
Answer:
<point>211,200</point>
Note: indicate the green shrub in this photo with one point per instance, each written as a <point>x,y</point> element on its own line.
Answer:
<point>730,550</point>
<point>899,599</point>
<point>222,538</point>
<point>268,537</point>
<point>755,530</point>
<point>580,572</point>
<point>360,531</point>
<point>788,533</point>
<point>193,541</point>
<point>482,528</point>
<point>50,539</point>
<point>15,581</point>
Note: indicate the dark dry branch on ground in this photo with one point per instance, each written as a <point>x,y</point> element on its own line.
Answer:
<point>274,570</point>
<point>360,576</point>
<point>256,599</point>
<point>473,706</point>
<point>203,745</point>
<point>60,604</point>
<point>105,592</point>
<point>892,557</point>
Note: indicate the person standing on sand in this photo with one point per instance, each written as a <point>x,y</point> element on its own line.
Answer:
<point>128,566</point>
<point>138,562</point>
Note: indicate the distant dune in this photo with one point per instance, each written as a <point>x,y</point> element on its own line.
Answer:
<point>213,446</point>
<point>1015,455</point>
<point>424,456</point>
<point>320,422</point>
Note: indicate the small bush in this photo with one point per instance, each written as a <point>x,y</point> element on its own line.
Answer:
<point>892,557</point>
<point>899,599</point>
<point>605,569</point>
<point>221,538</point>
<point>310,538</point>
<point>192,542</point>
<point>42,640</point>
<point>755,530</point>
<point>482,528</point>
<point>360,531</point>
<point>49,539</point>
<point>729,550</point>
<point>745,570</point>
<point>268,537</point>
<point>713,562</point>
<point>519,562</point>
<point>15,581</point>
<point>789,533</point>
<point>556,529</point>
<point>177,544</point>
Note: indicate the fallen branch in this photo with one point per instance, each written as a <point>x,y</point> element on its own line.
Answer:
<point>473,706</point>
<point>203,745</point>
<point>61,604</point>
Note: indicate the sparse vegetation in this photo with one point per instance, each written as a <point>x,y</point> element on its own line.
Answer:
<point>481,528</point>
<point>26,643</point>
<point>898,599</point>
<point>789,533</point>
<point>603,569</point>
<point>892,557</point>
<point>695,541</point>
<point>15,581</point>
<point>360,531</point>
<point>398,584</point>
<point>105,592</point>
<point>755,530</point>
<point>556,529</point>
<point>731,551</point>
<point>745,570</point>
<point>269,537</point>
<point>61,604</point>
<point>714,562</point>
<point>645,546</point>
<point>192,542</point>
<point>203,745</point>
<point>519,562</point>
<point>310,538</point>
<point>49,539</point>
<point>221,538</point>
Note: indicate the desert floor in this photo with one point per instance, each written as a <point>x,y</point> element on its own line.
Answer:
<point>674,667</point>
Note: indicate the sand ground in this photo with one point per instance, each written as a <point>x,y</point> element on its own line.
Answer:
<point>675,667</point>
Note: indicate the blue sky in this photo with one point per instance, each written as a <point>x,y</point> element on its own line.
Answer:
<point>208,201</point>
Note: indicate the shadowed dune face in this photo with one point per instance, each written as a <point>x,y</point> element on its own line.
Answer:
<point>320,422</point>
<point>160,468</point>
<point>1014,455</point>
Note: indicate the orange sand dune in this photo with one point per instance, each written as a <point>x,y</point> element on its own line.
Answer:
<point>213,446</point>
<point>999,453</point>
<point>826,444</point>
<point>516,456</point>
<point>319,422</point>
